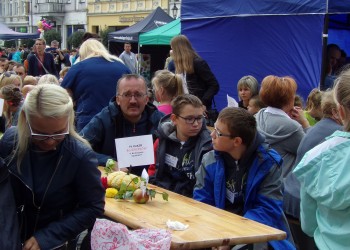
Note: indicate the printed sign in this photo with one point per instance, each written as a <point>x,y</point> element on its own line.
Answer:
<point>135,151</point>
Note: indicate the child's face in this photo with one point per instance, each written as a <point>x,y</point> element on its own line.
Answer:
<point>185,129</point>
<point>252,108</point>
<point>244,93</point>
<point>221,138</point>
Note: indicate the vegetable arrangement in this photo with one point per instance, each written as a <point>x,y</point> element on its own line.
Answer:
<point>123,185</point>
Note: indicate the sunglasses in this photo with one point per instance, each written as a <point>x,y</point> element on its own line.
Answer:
<point>7,74</point>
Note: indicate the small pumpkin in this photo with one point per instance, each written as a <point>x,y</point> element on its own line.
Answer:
<point>116,179</point>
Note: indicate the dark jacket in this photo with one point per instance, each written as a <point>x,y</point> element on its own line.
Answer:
<point>9,239</point>
<point>93,83</point>
<point>182,179</point>
<point>202,83</point>
<point>35,68</point>
<point>110,124</point>
<point>262,195</point>
<point>74,199</point>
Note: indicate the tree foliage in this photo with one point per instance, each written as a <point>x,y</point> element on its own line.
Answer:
<point>75,39</point>
<point>28,42</point>
<point>51,35</point>
<point>104,36</point>
<point>10,44</point>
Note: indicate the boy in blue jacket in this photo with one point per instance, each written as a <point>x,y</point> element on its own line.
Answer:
<point>243,174</point>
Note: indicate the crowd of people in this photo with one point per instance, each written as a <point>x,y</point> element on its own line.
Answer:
<point>272,159</point>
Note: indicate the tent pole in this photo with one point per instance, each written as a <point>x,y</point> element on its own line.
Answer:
<point>139,58</point>
<point>324,51</point>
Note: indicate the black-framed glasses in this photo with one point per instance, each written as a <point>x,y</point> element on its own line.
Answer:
<point>219,134</point>
<point>44,137</point>
<point>192,119</point>
<point>136,95</point>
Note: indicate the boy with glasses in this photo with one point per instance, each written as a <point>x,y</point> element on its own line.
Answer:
<point>128,114</point>
<point>183,140</point>
<point>243,174</point>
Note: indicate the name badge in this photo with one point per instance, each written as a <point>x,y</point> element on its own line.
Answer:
<point>230,195</point>
<point>171,160</point>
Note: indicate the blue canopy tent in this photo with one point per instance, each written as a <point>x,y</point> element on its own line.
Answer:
<point>8,34</point>
<point>259,38</point>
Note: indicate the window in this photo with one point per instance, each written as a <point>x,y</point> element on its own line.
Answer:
<point>16,9</point>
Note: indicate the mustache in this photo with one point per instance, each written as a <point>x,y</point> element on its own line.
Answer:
<point>133,106</point>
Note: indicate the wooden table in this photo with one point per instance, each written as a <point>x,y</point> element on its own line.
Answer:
<point>208,225</point>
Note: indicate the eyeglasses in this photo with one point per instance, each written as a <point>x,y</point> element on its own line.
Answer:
<point>191,119</point>
<point>44,137</point>
<point>137,96</point>
<point>219,134</point>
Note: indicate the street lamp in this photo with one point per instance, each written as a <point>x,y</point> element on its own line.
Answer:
<point>175,10</point>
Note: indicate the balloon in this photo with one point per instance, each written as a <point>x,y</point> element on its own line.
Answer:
<point>40,25</point>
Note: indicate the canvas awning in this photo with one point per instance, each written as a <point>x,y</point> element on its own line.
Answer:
<point>131,34</point>
<point>8,34</point>
<point>161,35</point>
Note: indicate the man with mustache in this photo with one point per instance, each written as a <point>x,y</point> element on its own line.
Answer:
<point>128,114</point>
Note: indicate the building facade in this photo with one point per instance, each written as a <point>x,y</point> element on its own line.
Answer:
<point>14,13</point>
<point>69,16</point>
<point>118,14</point>
<point>66,16</point>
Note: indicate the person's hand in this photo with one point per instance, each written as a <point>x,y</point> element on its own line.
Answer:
<point>31,244</point>
<point>297,114</point>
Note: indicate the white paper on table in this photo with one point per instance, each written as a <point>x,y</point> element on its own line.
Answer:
<point>1,106</point>
<point>176,225</point>
<point>231,102</point>
<point>134,151</point>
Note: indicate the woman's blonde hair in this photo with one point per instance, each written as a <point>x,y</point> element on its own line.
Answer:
<point>94,48</point>
<point>46,100</point>
<point>342,96</point>
<point>328,104</point>
<point>313,100</point>
<point>183,54</point>
<point>170,82</point>
<point>48,79</point>
<point>8,78</point>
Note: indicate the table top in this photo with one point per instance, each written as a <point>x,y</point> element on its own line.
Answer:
<point>208,225</point>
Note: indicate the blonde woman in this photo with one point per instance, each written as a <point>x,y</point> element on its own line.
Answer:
<point>53,171</point>
<point>48,78</point>
<point>93,80</point>
<point>9,77</point>
<point>198,79</point>
<point>313,111</point>
<point>166,86</point>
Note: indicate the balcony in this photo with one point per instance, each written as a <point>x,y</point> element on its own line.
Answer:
<point>48,8</point>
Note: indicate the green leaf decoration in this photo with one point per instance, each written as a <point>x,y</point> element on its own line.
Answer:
<point>109,168</point>
<point>165,196</point>
<point>128,194</point>
<point>151,193</point>
<point>135,180</point>
<point>123,187</point>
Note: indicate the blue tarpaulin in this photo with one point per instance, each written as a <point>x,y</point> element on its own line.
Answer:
<point>259,38</point>
<point>9,34</point>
